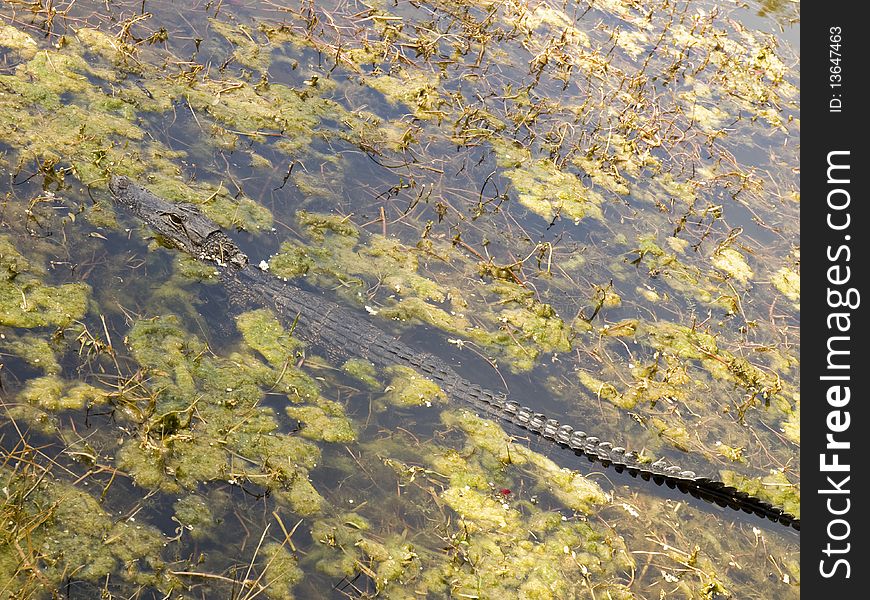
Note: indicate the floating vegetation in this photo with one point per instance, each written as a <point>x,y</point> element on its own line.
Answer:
<point>734,264</point>
<point>775,487</point>
<point>592,206</point>
<point>519,326</point>
<point>68,533</point>
<point>408,388</point>
<point>25,301</point>
<point>789,283</point>
<point>543,188</point>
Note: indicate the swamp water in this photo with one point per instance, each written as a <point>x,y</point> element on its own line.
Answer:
<point>593,206</point>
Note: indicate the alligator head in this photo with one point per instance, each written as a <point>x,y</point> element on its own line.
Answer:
<point>182,225</point>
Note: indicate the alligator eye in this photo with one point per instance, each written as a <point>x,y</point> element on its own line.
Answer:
<point>175,219</point>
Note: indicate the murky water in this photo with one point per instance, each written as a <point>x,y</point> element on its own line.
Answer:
<point>592,207</point>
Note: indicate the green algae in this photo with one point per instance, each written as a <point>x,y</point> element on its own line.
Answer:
<point>246,50</point>
<point>326,422</point>
<point>394,561</point>
<point>194,513</point>
<point>606,297</point>
<point>95,131</point>
<point>71,133</point>
<point>523,333</point>
<point>13,38</point>
<point>675,433</point>
<point>569,487</point>
<point>683,279</point>
<point>339,535</point>
<point>203,423</point>
<point>189,268</point>
<point>66,530</point>
<point>711,119</point>
<point>53,394</point>
<point>750,71</point>
<point>232,211</point>
<point>362,370</point>
<point>12,263</point>
<point>536,320</point>
<point>520,327</point>
<point>388,260</point>
<point>389,561</point>
<point>529,570</point>
<point>300,495</point>
<point>650,384</point>
<point>263,332</point>
<point>489,545</point>
<point>683,341</point>
<point>25,301</point>
<point>788,282</point>
<point>462,471</point>
<point>38,419</point>
<point>689,343</point>
<point>417,90</point>
<point>409,388</point>
<point>625,328</point>
<point>28,303</point>
<point>35,351</point>
<point>791,428</point>
<point>774,487</point>
<point>487,436</point>
<point>45,392</point>
<point>253,112</point>
<point>543,188</point>
<point>480,512</point>
<point>281,571</point>
<point>669,392</point>
<point>731,453</point>
<point>99,43</point>
<point>603,390</point>
<point>734,264</point>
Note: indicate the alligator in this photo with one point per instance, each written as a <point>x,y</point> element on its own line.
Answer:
<point>342,333</point>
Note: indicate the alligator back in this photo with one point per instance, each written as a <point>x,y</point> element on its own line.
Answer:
<point>341,333</point>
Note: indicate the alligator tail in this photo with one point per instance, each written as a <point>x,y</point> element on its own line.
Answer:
<point>660,472</point>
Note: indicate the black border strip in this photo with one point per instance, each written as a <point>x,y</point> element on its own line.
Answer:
<point>834,226</point>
